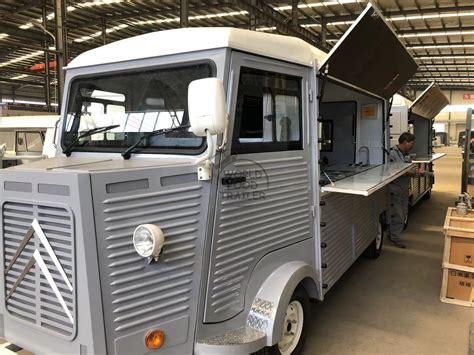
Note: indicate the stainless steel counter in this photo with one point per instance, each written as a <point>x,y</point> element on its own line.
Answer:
<point>368,181</point>
<point>428,159</point>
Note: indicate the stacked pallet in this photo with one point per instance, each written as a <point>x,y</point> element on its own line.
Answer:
<point>458,259</point>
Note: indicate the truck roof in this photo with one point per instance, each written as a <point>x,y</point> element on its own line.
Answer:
<point>37,121</point>
<point>184,40</point>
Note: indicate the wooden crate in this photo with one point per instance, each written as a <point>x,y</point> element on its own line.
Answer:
<point>459,226</point>
<point>447,288</point>
<point>458,280</point>
<point>459,231</point>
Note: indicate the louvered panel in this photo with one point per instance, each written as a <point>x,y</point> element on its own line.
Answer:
<point>364,216</point>
<point>416,188</point>
<point>271,210</point>
<point>337,235</point>
<point>34,300</point>
<point>140,294</point>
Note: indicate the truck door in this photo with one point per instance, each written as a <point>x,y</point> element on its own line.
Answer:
<point>264,195</point>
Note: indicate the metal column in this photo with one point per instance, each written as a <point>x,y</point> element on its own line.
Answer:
<point>183,11</point>
<point>466,166</point>
<point>252,17</point>
<point>104,31</point>
<point>47,86</point>
<point>294,13</point>
<point>60,34</point>
<point>324,31</point>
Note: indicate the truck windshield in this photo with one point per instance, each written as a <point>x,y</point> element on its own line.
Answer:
<point>138,102</point>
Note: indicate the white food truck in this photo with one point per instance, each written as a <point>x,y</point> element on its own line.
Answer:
<point>207,183</point>
<point>418,118</point>
<point>26,138</point>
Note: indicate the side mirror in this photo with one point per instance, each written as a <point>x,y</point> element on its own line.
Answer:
<point>206,107</point>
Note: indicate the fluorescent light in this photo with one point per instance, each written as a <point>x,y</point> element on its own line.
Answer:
<point>3,35</point>
<point>26,26</point>
<point>430,16</point>
<point>441,46</point>
<point>437,33</point>
<point>99,33</point>
<point>19,59</point>
<point>319,4</point>
<point>192,18</point>
<point>461,56</point>
<point>261,29</point>
<point>454,66</point>
<point>27,102</point>
<point>19,77</point>
<point>49,17</point>
<point>98,3</point>
<point>456,56</point>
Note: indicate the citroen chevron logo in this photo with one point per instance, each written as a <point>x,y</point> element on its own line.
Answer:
<point>36,258</point>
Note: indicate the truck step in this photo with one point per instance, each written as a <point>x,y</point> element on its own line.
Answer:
<point>243,340</point>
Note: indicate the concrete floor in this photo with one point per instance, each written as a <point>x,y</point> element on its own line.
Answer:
<point>391,305</point>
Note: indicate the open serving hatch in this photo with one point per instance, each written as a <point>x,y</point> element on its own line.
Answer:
<point>370,58</point>
<point>421,113</point>
<point>429,103</point>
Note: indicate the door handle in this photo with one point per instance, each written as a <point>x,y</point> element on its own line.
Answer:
<point>233,180</point>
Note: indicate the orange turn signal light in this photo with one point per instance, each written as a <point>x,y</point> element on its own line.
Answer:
<point>154,339</point>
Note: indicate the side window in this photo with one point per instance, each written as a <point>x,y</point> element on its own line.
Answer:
<point>268,112</point>
<point>34,142</point>
<point>20,142</point>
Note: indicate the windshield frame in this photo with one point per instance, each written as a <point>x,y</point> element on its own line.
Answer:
<point>190,151</point>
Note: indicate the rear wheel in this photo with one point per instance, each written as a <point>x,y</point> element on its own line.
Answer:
<point>374,250</point>
<point>427,196</point>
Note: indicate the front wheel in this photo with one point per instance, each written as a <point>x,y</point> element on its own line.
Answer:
<point>295,326</point>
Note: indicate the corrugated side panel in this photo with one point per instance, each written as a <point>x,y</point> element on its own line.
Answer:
<point>423,184</point>
<point>365,222</point>
<point>350,226</point>
<point>247,229</point>
<point>34,300</point>
<point>337,235</point>
<point>416,188</point>
<point>138,295</point>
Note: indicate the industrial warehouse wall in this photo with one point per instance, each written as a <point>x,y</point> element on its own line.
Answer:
<point>7,113</point>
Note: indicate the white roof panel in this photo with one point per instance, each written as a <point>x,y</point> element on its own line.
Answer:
<point>184,40</point>
<point>38,121</point>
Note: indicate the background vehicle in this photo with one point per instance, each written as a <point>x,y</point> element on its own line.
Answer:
<point>27,138</point>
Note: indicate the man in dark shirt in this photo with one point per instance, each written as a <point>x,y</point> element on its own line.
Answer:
<point>399,188</point>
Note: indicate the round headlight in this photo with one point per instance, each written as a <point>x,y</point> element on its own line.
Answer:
<point>148,240</point>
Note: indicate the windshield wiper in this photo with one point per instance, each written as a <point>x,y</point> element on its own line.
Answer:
<point>68,149</point>
<point>126,154</point>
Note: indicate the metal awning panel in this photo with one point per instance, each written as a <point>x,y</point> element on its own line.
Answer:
<point>429,103</point>
<point>371,57</point>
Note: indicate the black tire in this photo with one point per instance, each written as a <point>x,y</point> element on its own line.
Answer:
<point>301,296</point>
<point>374,250</point>
<point>427,196</point>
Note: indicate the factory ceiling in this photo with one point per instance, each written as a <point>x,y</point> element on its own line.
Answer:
<point>438,33</point>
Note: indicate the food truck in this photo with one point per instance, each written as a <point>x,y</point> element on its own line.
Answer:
<point>418,118</point>
<point>26,138</point>
<point>212,192</point>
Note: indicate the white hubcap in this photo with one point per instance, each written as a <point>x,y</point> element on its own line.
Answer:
<point>292,328</point>
<point>379,236</point>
